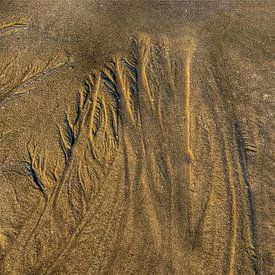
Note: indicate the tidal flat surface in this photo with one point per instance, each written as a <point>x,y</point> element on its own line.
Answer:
<point>137,137</point>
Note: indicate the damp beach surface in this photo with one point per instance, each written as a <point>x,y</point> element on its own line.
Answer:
<point>137,137</point>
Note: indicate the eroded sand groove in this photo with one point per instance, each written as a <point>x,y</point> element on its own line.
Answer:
<point>16,79</point>
<point>125,196</point>
<point>10,28</point>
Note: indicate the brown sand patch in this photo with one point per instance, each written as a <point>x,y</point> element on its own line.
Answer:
<point>138,144</point>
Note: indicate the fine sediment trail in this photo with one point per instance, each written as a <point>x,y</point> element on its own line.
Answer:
<point>13,27</point>
<point>154,177</point>
<point>19,83</point>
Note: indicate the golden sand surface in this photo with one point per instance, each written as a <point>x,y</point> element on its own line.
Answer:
<point>137,137</point>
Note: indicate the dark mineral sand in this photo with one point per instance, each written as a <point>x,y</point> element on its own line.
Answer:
<point>137,137</point>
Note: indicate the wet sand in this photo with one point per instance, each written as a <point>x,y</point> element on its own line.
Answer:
<point>137,137</point>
